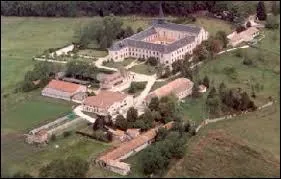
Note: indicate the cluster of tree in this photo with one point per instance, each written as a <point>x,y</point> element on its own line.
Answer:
<point>94,8</point>
<point>228,100</point>
<point>136,86</point>
<point>183,66</point>
<point>38,77</point>
<point>152,61</point>
<point>103,33</point>
<point>261,11</point>
<point>144,121</point>
<point>168,145</point>
<point>83,71</point>
<point>72,167</point>
<point>163,110</point>
<point>163,71</point>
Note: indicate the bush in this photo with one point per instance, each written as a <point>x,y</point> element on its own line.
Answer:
<point>136,86</point>
<point>66,133</point>
<point>230,72</point>
<point>247,62</point>
<point>152,61</point>
<point>240,29</point>
<point>53,137</point>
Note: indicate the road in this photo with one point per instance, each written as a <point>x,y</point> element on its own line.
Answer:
<point>78,112</point>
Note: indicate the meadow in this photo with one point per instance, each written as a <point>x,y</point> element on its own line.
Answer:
<point>21,39</point>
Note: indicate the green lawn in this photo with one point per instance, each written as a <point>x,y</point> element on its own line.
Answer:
<point>213,25</point>
<point>124,63</point>
<point>73,145</point>
<point>33,111</point>
<point>93,52</point>
<point>144,69</point>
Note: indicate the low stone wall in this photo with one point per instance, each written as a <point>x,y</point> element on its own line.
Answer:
<point>207,121</point>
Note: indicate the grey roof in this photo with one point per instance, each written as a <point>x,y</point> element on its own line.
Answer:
<point>141,35</point>
<point>179,27</point>
<point>135,40</point>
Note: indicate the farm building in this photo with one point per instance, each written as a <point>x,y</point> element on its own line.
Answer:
<point>202,88</point>
<point>181,87</point>
<point>65,90</point>
<point>111,159</point>
<point>107,103</point>
<point>167,42</point>
<point>39,137</point>
<point>244,36</point>
<point>108,81</point>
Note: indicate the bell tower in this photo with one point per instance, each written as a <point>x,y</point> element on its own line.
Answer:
<point>161,18</point>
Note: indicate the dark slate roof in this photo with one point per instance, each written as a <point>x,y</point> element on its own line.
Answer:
<point>135,40</point>
<point>179,43</point>
<point>141,35</point>
<point>179,27</point>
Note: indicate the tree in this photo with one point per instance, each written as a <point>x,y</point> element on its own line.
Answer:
<point>132,114</point>
<point>68,168</point>
<point>195,90</point>
<point>213,101</point>
<point>121,122</point>
<point>222,90</point>
<point>261,12</point>
<point>201,52</point>
<point>206,81</point>
<point>240,28</point>
<point>152,160</point>
<point>275,8</point>
<point>139,29</point>
<point>222,36</point>
<point>176,66</point>
<point>128,32</point>
<point>167,72</point>
<point>154,104</point>
<point>152,61</point>
<point>248,24</point>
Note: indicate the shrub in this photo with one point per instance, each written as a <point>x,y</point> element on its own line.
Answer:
<point>247,62</point>
<point>152,61</point>
<point>230,72</point>
<point>240,29</point>
<point>66,133</point>
<point>53,137</point>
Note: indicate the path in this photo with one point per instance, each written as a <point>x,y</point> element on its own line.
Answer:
<point>137,77</point>
<point>49,60</point>
<point>78,112</point>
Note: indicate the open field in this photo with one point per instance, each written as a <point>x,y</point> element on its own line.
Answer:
<point>248,145</point>
<point>21,39</point>
<point>93,53</point>
<point>33,111</point>
<point>73,145</point>
<point>209,154</point>
<point>144,69</point>
<point>213,25</point>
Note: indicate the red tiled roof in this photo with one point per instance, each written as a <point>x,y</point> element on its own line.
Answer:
<point>104,99</point>
<point>175,86</point>
<point>126,147</point>
<point>63,86</point>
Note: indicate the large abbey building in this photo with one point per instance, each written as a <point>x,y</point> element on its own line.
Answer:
<point>165,41</point>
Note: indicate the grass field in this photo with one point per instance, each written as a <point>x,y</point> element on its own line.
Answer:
<point>248,145</point>
<point>124,63</point>
<point>71,146</point>
<point>93,52</point>
<point>144,69</point>
<point>21,39</point>
<point>213,25</point>
<point>257,155</point>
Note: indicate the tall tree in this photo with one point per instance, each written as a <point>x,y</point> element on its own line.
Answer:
<point>121,122</point>
<point>154,104</point>
<point>221,35</point>
<point>132,114</point>
<point>261,11</point>
<point>206,81</point>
